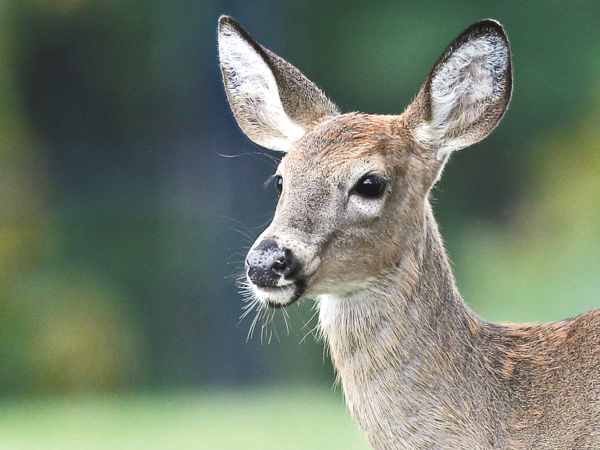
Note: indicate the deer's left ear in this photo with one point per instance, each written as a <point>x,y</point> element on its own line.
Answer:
<point>272,101</point>
<point>467,91</point>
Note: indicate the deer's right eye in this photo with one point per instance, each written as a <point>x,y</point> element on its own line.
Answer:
<point>278,183</point>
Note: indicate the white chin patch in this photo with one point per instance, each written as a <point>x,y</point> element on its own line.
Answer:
<point>275,296</point>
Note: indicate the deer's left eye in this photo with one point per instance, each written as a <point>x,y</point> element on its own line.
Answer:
<point>370,186</point>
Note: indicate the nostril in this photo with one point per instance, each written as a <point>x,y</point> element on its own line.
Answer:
<point>279,266</point>
<point>283,259</point>
<point>292,264</point>
<point>279,259</point>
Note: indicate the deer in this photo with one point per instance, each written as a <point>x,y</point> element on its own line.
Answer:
<point>354,230</point>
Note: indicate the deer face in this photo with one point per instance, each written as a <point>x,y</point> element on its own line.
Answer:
<point>354,186</point>
<point>337,225</point>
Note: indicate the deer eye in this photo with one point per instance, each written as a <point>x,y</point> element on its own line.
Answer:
<point>278,179</point>
<point>370,186</point>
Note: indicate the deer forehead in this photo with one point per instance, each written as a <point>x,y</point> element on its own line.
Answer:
<point>349,144</point>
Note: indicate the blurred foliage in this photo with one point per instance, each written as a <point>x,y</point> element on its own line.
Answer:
<point>122,228</point>
<point>64,324</point>
<point>72,335</point>
<point>544,264</point>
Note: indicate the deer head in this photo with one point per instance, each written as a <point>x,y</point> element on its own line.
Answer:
<point>354,187</point>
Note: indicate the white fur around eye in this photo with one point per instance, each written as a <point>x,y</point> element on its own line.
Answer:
<point>257,94</point>
<point>370,207</point>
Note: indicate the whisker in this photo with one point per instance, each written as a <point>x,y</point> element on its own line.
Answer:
<point>286,316</point>
<point>259,154</point>
<point>311,319</point>
<point>311,331</point>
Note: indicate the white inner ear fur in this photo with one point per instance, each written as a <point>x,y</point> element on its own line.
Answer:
<point>261,112</point>
<point>461,90</point>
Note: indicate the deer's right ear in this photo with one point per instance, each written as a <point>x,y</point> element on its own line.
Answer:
<point>272,101</point>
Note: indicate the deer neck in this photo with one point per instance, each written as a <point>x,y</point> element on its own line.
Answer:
<point>403,349</point>
<point>416,303</point>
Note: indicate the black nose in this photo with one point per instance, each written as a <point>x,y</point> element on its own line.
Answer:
<point>267,264</point>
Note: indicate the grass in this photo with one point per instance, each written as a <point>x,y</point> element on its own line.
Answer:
<point>290,418</point>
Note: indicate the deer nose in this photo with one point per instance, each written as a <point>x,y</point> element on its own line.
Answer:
<point>268,265</point>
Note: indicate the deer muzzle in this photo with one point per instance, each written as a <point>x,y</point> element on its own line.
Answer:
<point>273,272</point>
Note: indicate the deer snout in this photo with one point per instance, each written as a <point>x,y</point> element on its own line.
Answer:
<point>268,265</point>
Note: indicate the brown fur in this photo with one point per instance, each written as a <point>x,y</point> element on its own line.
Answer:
<point>418,368</point>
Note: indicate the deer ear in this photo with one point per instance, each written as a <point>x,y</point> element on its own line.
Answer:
<point>272,101</point>
<point>467,91</point>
